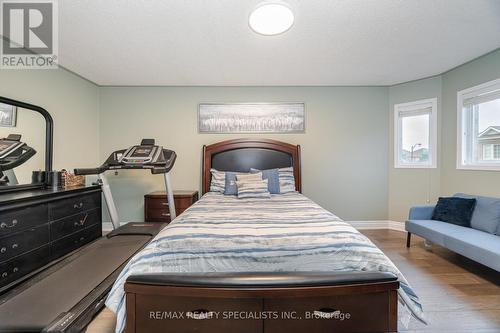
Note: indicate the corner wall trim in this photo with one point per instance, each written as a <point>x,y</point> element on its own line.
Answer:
<point>378,224</point>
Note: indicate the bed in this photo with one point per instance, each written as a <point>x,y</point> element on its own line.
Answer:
<point>259,265</point>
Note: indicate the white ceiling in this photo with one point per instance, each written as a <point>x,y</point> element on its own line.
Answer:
<point>333,42</point>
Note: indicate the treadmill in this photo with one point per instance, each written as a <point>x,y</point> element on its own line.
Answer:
<point>65,295</point>
<point>13,153</point>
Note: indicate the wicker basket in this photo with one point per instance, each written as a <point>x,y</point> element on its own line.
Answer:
<point>71,180</point>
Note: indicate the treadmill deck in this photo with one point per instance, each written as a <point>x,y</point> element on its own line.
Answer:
<point>36,306</point>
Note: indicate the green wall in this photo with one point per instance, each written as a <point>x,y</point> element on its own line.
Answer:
<point>74,105</point>
<point>408,187</point>
<point>344,149</point>
<point>348,164</point>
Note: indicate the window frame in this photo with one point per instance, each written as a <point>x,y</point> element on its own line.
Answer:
<point>464,126</point>
<point>411,107</point>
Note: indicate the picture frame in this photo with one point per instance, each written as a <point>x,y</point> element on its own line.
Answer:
<point>8,115</point>
<point>227,118</point>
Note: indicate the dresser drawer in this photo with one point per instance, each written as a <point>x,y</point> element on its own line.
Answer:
<point>22,265</point>
<point>16,220</point>
<point>23,241</point>
<point>67,207</point>
<point>200,314</point>
<point>74,223</point>
<point>343,314</point>
<point>74,241</point>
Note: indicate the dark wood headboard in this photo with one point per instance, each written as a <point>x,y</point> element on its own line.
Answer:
<point>242,154</point>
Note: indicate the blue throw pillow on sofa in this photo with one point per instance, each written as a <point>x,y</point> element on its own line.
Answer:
<point>454,210</point>
<point>273,179</point>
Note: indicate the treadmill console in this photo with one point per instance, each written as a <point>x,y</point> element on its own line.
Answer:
<point>141,155</point>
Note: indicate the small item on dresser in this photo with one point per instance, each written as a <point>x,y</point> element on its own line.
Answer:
<point>38,177</point>
<point>55,179</point>
<point>72,180</point>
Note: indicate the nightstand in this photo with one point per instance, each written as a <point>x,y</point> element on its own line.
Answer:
<point>156,204</point>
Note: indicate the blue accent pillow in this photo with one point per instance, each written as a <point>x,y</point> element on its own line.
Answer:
<point>230,187</point>
<point>273,178</point>
<point>454,210</point>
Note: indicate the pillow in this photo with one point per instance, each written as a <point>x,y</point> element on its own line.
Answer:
<point>287,180</point>
<point>249,176</point>
<point>486,216</point>
<point>272,175</point>
<point>252,189</point>
<point>218,181</point>
<point>231,188</point>
<point>454,210</point>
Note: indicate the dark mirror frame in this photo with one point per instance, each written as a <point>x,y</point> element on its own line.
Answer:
<point>49,143</point>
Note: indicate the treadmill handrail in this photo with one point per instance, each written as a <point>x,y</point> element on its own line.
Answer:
<point>89,171</point>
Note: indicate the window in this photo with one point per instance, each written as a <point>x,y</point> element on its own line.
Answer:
<point>415,134</point>
<point>478,145</point>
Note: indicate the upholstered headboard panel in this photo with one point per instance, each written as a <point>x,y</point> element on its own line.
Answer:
<point>242,154</point>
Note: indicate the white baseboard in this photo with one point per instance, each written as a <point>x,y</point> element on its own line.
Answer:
<point>378,224</point>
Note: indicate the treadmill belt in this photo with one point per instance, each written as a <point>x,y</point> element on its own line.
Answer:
<point>36,307</point>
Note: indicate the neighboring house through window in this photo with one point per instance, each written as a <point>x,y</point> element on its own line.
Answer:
<point>479,127</point>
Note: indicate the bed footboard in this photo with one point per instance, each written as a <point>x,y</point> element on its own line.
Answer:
<point>262,302</point>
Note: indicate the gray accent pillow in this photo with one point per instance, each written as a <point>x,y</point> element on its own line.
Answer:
<point>486,216</point>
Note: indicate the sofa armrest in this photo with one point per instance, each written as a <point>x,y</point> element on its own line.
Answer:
<point>423,212</point>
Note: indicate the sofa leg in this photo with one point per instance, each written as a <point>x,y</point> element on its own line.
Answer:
<point>408,239</point>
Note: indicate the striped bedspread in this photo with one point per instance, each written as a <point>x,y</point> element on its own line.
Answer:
<point>288,232</point>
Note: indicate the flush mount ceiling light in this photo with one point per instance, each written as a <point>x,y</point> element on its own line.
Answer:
<point>271,18</point>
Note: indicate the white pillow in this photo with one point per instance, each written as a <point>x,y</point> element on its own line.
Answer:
<point>252,189</point>
<point>218,181</point>
<point>287,180</point>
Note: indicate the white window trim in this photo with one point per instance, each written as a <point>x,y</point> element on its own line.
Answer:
<point>409,107</point>
<point>461,133</point>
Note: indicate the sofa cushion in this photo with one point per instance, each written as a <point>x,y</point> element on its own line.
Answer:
<point>476,245</point>
<point>486,216</point>
<point>454,210</point>
<point>434,231</point>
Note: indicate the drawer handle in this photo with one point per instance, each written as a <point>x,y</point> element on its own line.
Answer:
<point>15,270</point>
<point>200,314</point>
<point>164,203</point>
<point>4,275</point>
<point>326,313</point>
<point>82,221</point>
<point>78,206</point>
<point>165,214</point>
<point>3,250</point>
<point>5,225</point>
<point>15,246</point>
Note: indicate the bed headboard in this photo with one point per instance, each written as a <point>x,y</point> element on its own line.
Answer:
<point>242,154</point>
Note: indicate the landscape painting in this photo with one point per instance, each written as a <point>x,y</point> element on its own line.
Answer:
<point>251,118</point>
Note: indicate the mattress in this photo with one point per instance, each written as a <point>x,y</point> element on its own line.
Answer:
<point>287,232</point>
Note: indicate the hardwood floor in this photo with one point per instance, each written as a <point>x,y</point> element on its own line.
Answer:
<point>458,294</point>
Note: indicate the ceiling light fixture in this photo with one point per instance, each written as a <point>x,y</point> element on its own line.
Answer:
<point>271,18</point>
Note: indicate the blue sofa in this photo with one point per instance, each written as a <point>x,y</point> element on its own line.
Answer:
<point>480,242</point>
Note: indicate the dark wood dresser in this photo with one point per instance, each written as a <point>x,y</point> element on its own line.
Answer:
<point>156,204</point>
<point>41,225</point>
